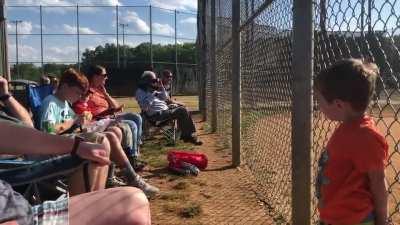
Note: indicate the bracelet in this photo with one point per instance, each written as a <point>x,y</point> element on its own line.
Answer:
<point>77,141</point>
<point>5,97</point>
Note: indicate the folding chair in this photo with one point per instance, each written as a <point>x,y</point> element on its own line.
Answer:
<point>168,128</point>
<point>40,180</point>
<point>35,96</point>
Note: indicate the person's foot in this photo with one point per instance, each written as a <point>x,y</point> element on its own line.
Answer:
<point>114,182</point>
<point>137,164</point>
<point>193,140</point>
<point>148,189</point>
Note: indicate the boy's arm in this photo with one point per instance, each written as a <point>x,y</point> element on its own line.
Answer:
<point>378,188</point>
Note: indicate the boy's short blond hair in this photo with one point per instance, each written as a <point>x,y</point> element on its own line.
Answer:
<point>350,80</point>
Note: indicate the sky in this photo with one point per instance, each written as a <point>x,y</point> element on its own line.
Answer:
<point>97,26</point>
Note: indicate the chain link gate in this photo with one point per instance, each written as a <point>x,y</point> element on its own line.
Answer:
<point>368,29</point>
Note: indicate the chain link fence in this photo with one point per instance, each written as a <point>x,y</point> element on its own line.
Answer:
<point>126,39</point>
<point>367,29</point>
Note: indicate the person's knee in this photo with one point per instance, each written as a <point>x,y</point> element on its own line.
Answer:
<point>136,200</point>
<point>116,131</point>
<point>106,145</point>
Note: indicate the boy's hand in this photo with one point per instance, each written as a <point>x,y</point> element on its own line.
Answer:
<point>3,86</point>
<point>379,193</point>
<point>93,152</point>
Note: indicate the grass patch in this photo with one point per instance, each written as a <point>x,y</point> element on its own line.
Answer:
<point>181,186</point>
<point>191,210</point>
<point>171,207</point>
<point>154,151</point>
<point>172,196</point>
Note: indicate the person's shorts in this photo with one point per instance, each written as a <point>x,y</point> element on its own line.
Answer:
<point>51,213</point>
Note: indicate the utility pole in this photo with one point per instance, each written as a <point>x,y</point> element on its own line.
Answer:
<point>123,25</point>
<point>16,44</point>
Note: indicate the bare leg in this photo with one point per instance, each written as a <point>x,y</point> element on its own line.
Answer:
<point>123,206</point>
<point>117,154</point>
<point>117,131</point>
<point>97,176</point>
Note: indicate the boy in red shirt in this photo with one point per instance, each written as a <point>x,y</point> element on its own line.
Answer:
<point>351,185</point>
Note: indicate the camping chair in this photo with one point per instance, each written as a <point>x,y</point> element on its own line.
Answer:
<point>35,96</point>
<point>40,180</point>
<point>168,128</point>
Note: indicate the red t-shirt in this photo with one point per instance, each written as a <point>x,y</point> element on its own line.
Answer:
<point>342,184</point>
<point>97,102</point>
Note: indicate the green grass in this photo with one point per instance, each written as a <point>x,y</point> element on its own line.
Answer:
<point>191,210</point>
<point>192,102</point>
<point>155,151</point>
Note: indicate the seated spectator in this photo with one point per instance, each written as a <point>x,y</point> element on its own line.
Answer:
<point>56,110</point>
<point>44,80</point>
<point>166,84</point>
<point>99,125</point>
<point>123,206</point>
<point>100,102</point>
<point>158,106</point>
<point>14,112</point>
<point>53,81</point>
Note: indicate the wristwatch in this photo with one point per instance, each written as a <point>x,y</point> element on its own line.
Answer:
<point>5,97</point>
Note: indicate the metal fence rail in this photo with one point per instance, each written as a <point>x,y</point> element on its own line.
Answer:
<point>276,79</point>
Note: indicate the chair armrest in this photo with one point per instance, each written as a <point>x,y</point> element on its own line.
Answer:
<point>42,170</point>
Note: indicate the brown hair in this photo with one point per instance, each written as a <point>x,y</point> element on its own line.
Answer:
<point>94,70</point>
<point>71,77</point>
<point>350,80</point>
<point>166,73</point>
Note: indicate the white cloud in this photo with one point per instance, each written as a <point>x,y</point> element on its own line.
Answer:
<point>189,20</point>
<point>25,27</point>
<point>135,23</point>
<point>176,4</point>
<point>82,30</point>
<point>25,53</point>
<point>163,29</point>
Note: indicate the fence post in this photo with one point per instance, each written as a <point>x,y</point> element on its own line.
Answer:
<point>77,36</point>
<point>151,36</point>
<point>4,66</point>
<point>41,38</point>
<point>213,70</point>
<point>302,111</point>
<point>236,106</point>
<point>117,30</point>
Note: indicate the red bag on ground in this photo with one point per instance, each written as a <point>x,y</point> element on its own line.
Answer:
<point>176,157</point>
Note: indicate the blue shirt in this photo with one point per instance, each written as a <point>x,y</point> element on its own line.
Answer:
<point>152,102</point>
<point>55,111</point>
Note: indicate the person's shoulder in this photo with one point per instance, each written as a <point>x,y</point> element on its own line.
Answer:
<point>50,99</point>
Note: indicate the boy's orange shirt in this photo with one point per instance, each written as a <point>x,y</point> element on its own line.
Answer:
<point>342,184</point>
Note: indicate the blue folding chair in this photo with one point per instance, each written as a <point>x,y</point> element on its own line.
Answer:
<point>35,95</point>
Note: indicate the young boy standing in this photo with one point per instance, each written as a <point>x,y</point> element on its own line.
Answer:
<point>351,185</point>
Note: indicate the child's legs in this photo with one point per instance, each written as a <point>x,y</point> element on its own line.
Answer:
<point>116,130</point>
<point>124,205</point>
<point>117,153</point>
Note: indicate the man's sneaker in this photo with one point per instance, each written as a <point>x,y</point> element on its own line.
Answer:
<point>148,189</point>
<point>115,182</point>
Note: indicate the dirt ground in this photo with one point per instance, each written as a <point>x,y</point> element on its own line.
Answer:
<point>219,195</point>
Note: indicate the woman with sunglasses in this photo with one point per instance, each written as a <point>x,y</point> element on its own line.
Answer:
<point>100,102</point>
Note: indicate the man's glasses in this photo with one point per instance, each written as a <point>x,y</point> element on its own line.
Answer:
<point>103,75</point>
<point>154,81</point>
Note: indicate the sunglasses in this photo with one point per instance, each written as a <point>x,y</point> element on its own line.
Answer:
<point>103,75</point>
<point>154,81</point>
